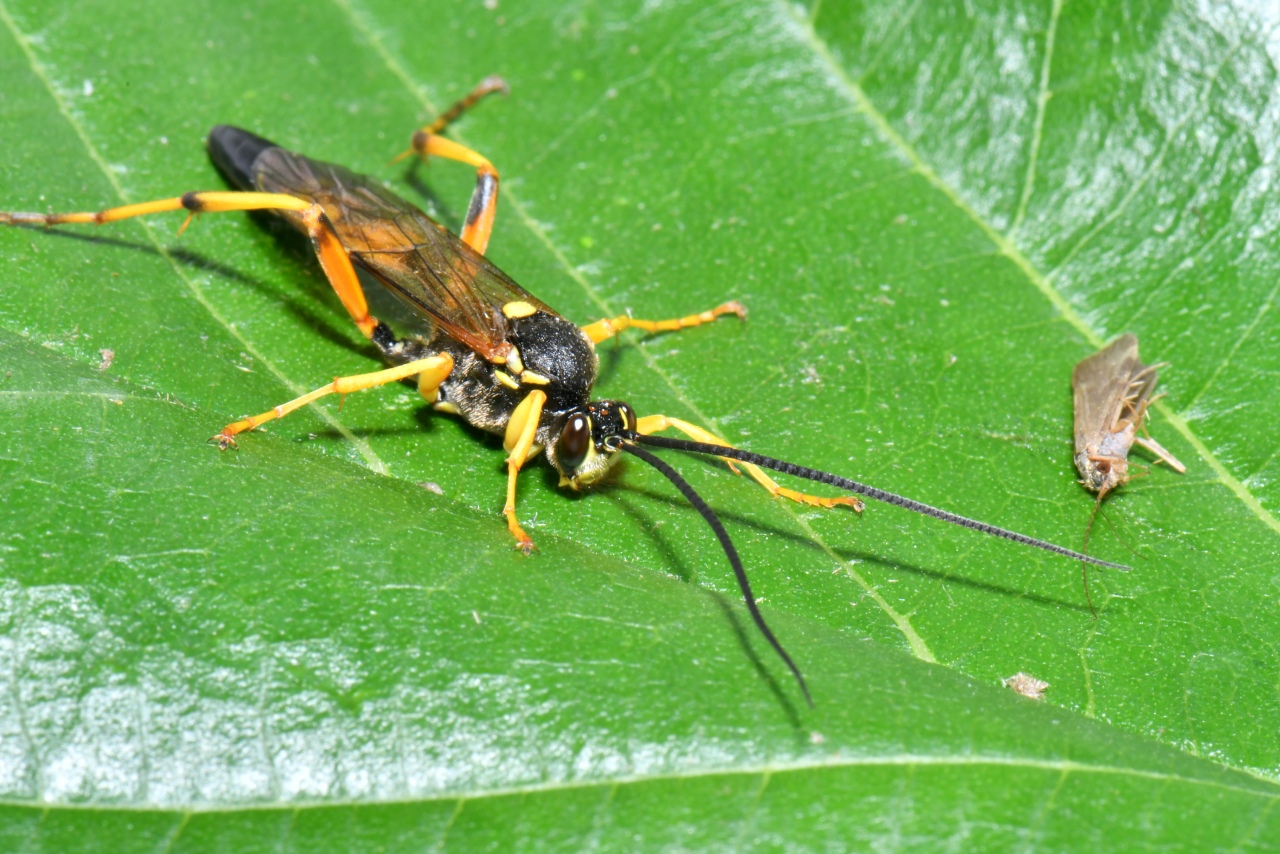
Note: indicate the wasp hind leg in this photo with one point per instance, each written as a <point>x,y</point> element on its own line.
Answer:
<point>603,330</point>
<point>430,372</point>
<point>427,142</point>
<point>333,257</point>
<point>655,423</point>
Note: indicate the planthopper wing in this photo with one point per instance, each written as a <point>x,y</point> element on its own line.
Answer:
<point>416,258</point>
<point>1103,385</point>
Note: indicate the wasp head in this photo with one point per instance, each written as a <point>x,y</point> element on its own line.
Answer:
<point>588,442</point>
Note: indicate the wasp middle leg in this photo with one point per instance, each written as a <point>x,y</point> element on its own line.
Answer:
<point>427,142</point>
<point>603,330</point>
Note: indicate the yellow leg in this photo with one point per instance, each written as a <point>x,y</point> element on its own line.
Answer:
<point>522,431</point>
<point>655,423</point>
<point>95,217</point>
<point>484,199</point>
<point>603,330</point>
<point>430,372</point>
<point>333,257</point>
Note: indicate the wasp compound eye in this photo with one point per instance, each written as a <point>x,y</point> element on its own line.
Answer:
<point>575,439</point>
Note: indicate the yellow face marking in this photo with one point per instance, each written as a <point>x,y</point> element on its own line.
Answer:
<point>534,379</point>
<point>513,359</point>
<point>446,406</point>
<point>505,378</point>
<point>519,308</point>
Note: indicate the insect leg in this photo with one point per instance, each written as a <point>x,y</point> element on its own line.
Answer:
<point>603,330</point>
<point>484,200</point>
<point>522,430</point>
<point>655,423</point>
<point>333,257</point>
<point>1164,456</point>
<point>490,84</point>
<point>433,369</point>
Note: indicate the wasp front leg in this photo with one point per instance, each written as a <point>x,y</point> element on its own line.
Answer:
<point>521,445</point>
<point>656,423</point>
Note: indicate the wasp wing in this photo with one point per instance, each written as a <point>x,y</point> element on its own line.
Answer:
<point>416,258</point>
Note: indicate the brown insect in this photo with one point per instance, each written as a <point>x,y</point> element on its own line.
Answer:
<point>1027,686</point>
<point>1113,389</point>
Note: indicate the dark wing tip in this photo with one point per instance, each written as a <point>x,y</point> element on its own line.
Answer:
<point>234,151</point>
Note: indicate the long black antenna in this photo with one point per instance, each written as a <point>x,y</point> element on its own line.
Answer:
<point>861,489</point>
<point>732,553</point>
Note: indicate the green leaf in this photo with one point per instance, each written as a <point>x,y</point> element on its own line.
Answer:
<point>932,214</point>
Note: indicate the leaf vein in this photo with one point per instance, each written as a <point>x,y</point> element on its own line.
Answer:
<point>1251,785</point>
<point>1182,266</point>
<point>1240,342</point>
<point>176,834</point>
<point>890,40</point>
<point>1152,169</point>
<point>1037,131</point>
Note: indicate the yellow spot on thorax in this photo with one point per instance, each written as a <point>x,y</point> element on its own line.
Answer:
<point>518,308</point>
